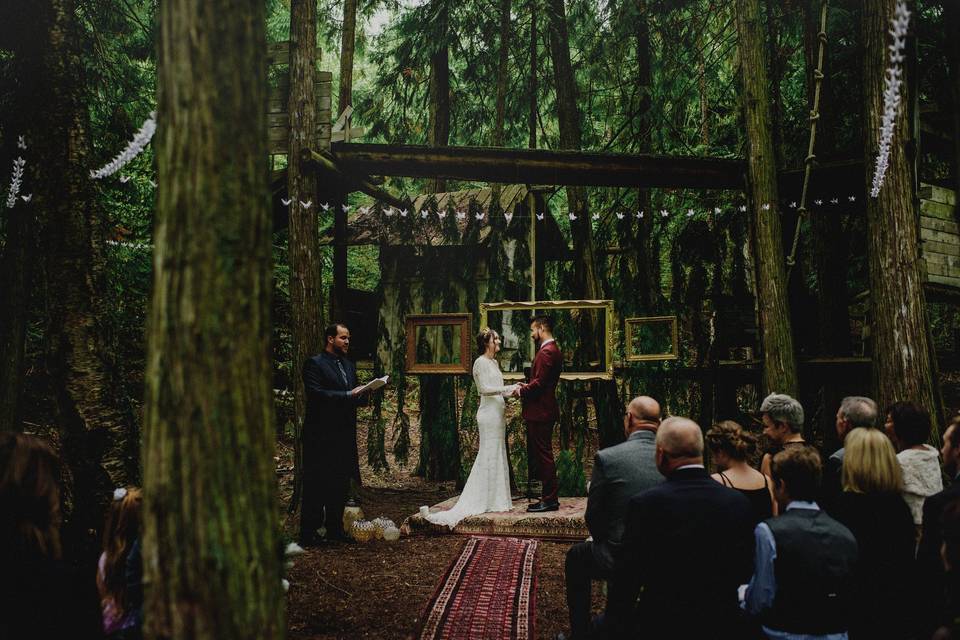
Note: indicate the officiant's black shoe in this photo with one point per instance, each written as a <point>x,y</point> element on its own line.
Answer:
<point>542,507</point>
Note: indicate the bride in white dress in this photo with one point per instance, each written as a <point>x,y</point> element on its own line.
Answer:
<point>488,486</point>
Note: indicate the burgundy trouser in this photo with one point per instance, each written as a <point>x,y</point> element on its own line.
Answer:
<point>540,457</point>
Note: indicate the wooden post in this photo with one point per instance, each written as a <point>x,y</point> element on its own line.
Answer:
<point>532,208</point>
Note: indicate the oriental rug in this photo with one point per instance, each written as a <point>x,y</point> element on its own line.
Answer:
<point>566,525</point>
<point>488,592</point>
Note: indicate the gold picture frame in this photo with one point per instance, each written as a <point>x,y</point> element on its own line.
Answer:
<point>631,326</point>
<point>544,306</point>
<point>459,320</point>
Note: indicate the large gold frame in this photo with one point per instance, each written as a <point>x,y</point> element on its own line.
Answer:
<point>548,305</point>
<point>631,323</point>
<point>462,320</point>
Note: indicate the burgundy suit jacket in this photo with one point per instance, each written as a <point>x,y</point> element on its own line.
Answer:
<point>539,395</point>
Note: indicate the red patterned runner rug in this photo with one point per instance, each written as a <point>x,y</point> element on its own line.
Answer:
<point>488,592</point>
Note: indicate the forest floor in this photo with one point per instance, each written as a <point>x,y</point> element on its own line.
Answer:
<point>379,590</point>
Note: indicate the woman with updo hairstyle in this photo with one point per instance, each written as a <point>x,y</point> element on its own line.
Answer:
<point>730,448</point>
<point>486,339</point>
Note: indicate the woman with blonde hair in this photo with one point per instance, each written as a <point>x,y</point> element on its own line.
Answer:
<point>730,448</point>
<point>872,507</point>
<point>120,569</point>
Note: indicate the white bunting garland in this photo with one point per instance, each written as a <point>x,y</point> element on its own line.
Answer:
<point>891,94</point>
<point>139,142</point>
<point>15,181</point>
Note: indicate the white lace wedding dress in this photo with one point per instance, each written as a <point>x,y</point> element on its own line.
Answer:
<point>488,486</point>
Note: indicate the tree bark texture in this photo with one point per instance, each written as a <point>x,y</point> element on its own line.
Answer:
<point>211,546</point>
<point>951,18</point>
<point>779,359</point>
<point>98,435</point>
<point>532,113</point>
<point>829,245</point>
<point>586,277</point>
<point>347,45</point>
<point>502,74</point>
<point>306,291</point>
<point>438,133</point>
<point>904,368</point>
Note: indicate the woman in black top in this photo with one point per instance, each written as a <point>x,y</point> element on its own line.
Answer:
<point>730,448</point>
<point>872,507</point>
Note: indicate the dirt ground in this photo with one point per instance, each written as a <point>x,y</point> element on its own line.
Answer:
<point>378,590</point>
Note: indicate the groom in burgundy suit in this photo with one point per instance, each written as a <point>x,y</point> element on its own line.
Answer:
<point>540,411</point>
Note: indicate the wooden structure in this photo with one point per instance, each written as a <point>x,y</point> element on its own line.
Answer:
<point>940,236</point>
<point>278,120</point>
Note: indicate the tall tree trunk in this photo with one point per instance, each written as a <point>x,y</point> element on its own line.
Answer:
<point>306,295</point>
<point>779,359</point>
<point>17,268</point>
<point>904,368</point>
<point>347,45</point>
<point>211,544</point>
<point>439,438</point>
<point>98,435</point>
<point>438,134</point>
<point>502,75</point>
<point>532,114</point>
<point>775,76</point>
<point>586,277</point>
<point>829,245</point>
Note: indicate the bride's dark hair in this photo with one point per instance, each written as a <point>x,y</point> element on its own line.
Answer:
<point>483,339</point>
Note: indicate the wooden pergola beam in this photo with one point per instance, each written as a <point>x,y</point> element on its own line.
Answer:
<point>541,166</point>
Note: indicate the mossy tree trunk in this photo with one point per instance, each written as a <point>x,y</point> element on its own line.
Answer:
<point>779,359</point>
<point>904,366</point>
<point>586,277</point>
<point>99,434</point>
<point>211,547</point>
<point>438,131</point>
<point>347,45</point>
<point>306,296</point>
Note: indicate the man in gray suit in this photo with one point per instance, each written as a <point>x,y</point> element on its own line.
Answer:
<point>619,473</point>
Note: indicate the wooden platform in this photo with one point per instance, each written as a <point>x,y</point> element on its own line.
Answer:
<point>566,525</point>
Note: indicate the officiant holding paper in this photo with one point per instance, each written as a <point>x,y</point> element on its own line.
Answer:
<point>329,435</point>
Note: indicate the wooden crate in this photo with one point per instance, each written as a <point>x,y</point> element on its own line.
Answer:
<point>939,236</point>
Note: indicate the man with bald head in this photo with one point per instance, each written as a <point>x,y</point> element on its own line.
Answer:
<point>687,546</point>
<point>619,473</point>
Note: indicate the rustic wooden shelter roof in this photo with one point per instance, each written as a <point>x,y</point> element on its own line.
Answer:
<point>433,219</point>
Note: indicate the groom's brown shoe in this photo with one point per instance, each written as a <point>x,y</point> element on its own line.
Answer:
<point>542,507</point>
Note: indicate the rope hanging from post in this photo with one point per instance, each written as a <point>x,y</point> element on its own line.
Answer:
<point>814,118</point>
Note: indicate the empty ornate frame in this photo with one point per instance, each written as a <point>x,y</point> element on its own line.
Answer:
<point>633,324</point>
<point>457,320</point>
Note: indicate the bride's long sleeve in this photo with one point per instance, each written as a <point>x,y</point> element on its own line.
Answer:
<point>486,378</point>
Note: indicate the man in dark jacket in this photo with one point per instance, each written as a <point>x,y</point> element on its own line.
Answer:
<point>329,436</point>
<point>929,564</point>
<point>619,473</point>
<point>686,548</point>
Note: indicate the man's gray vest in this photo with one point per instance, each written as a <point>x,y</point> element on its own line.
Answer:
<point>814,566</point>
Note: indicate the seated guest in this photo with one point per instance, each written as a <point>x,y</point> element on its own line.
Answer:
<point>41,596</point>
<point>854,412</point>
<point>872,507</point>
<point>619,473</point>
<point>932,582</point>
<point>782,419</point>
<point>908,426</point>
<point>120,569</point>
<point>730,448</point>
<point>686,547</point>
<point>804,559</point>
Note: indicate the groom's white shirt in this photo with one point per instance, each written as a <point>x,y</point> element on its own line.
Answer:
<point>546,341</point>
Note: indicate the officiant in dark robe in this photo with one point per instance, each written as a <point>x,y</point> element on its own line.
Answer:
<point>329,436</point>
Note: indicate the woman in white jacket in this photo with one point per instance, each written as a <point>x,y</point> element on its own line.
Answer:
<point>908,425</point>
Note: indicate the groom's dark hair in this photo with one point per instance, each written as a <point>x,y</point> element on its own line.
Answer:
<point>333,329</point>
<point>545,321</point>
